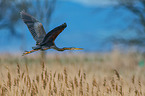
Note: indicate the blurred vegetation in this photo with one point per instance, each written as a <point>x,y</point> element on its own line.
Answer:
<point>82,74</point>
<point>10,10</point>
<point>137,26</point>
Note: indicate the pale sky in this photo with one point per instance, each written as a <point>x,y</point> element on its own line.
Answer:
<point>95,2</point>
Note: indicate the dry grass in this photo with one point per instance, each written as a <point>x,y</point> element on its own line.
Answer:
<point>82,74</point>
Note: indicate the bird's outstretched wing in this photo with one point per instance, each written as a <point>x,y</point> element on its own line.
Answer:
<point>34,26</point>
<point>51,36</point>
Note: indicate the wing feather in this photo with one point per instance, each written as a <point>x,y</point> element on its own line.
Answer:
<point>51,36</point>
<point>34,26</point>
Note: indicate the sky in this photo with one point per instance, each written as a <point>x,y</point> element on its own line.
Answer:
<point>94,2</point>
<point>88,26</point>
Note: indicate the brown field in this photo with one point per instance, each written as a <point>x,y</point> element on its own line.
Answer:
<point>68,74</point>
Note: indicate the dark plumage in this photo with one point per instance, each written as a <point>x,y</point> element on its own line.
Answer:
<point>43,41</point>
<point>34,26</point>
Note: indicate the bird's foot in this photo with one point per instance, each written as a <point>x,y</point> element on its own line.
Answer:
<point>28,52</point>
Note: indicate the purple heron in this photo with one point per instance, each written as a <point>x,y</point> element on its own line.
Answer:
<point>43,41</point>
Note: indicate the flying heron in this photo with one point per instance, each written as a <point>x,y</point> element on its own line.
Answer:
<point>43,41</point>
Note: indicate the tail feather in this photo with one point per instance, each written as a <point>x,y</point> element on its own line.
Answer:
<point>36,47</point>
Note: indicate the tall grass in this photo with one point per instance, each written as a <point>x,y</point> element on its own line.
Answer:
<point>82,74</point>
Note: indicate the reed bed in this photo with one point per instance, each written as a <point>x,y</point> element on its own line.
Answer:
<point>69,74</point>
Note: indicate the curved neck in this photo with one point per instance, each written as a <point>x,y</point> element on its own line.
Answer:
<point>61,49</point>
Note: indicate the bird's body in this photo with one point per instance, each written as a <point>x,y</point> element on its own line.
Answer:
<point>43,41</point>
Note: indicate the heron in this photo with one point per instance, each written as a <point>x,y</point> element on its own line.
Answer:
<point>43,41</point>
